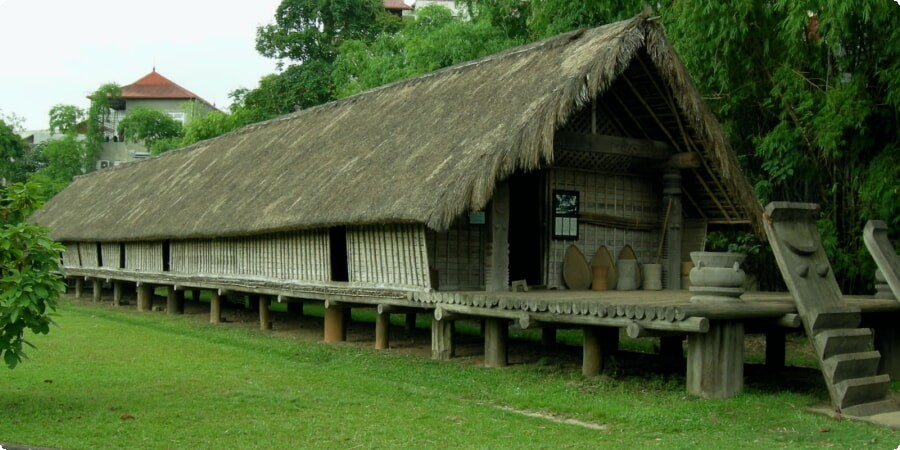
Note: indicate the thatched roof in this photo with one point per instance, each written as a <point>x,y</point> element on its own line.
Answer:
<point>423,150</point>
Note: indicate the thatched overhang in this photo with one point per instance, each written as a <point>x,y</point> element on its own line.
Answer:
<point>423,150</point>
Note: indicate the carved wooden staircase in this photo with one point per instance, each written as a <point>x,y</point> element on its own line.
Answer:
<point>848,364</point>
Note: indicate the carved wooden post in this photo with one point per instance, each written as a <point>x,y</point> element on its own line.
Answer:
<point>117,293</point>
<point>672,195</point>
<point>264,322</point>
<point>215,307</point>
<point>850,370</point>
<point>441,339</point>
<point>97,286</point>
<point>496,273</point>
<point>78,287</point>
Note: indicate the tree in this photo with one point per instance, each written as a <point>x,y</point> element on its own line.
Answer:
<point>12,154</point>
<point>29,278</point>
<point>98,116</point>
<point>147,126</point>
<point>435,39</point>
<point>212,124</point>
<point>64,118</point>
<point>65,158</point>
<point>809,94</point>
<point>309,30</point>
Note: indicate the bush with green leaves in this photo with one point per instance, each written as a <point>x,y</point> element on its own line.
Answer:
<point>30,282</point>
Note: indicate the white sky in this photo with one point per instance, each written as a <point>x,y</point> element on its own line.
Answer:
<point>59,51</point>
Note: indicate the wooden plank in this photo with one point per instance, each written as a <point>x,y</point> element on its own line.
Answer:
<point>611,145</point>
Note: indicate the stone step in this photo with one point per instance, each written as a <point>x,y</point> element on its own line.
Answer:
<point>832,319</point>
<point>851,365</point>
<point>872,408</point>
<point>843,340</point>
<point>858,391</point>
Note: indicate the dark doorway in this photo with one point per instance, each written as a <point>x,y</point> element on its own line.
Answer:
<point>526,228</point>
<point>337,239</point>
<point>99,255</point>
<point>121,256</point>
<point>167,255</point>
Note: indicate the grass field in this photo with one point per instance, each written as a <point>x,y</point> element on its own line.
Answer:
<point>114,378</point>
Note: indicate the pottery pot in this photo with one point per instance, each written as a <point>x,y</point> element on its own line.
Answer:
<point>717,277</point>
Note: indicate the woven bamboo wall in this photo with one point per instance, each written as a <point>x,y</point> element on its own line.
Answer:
<point>457,255</point>
<point>617,195</point>
<point>112,255</point>
<point>70,257</point>
<point>388,255</point>
<point>89,257</point>
<point>301,255</point>
<point>144,256</point>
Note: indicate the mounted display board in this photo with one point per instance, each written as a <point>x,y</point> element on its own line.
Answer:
<point>565,215</point>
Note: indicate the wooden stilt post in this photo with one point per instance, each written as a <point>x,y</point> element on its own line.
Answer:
<point>144,297</point>
<point>215,307</point>
<point>264,322</point>
<point>442,346</point>
<point>592,356</point>
<point>335,328</point>
<point>410,324</point>
<point>97,287</point>
<point>78,287</point>
<point>117,293</point>
<point>174,301</point>
<point>496,333</point>
<point>775,347</point>
<point>253,302</point>
<point>715,367</point>
<point>195,295</point>
<point>382,330</point>
<point>548,336</point>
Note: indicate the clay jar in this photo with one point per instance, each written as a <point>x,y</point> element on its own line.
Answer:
<point>717,277</point>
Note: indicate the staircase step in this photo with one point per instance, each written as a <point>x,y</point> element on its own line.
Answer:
<point>871,409</point>
<point>828,320</point>
<point>852,365</point>
<point>858,391</point>
<point>843,340</point>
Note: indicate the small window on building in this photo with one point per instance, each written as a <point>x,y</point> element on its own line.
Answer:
<point>179,116</point>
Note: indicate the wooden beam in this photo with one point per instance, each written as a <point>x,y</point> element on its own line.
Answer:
<point>612,145</point>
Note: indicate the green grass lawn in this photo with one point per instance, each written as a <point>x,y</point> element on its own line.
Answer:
<point>114,378</point>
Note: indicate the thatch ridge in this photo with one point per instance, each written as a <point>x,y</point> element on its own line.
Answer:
<point>435,148</point>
